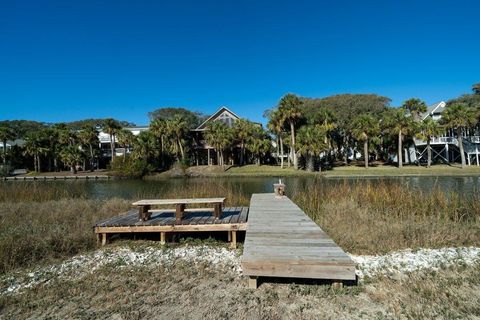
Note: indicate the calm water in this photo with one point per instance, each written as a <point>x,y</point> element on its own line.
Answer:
<point>248,185</point>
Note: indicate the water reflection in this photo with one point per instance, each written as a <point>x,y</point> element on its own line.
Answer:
<point>131,189</point>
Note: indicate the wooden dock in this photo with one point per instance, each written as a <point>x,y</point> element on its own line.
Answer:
<point>282,241</point>
<point>163,221</point>
<point>43,178</point>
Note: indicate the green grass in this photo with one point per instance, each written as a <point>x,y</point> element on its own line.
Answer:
<point>411,170</point>
<point>338,171</point>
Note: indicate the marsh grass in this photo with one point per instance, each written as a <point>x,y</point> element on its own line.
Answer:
<point>367,218</point>
<point>19,191</point>
<point>43,222</point>
<point>42,225</point>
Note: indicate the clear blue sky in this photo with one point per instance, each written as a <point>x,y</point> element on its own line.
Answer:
<point>63,61</point>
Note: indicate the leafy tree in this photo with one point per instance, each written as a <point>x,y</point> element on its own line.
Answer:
<point>22,127</point>
<point>111,127</point>
<point>126,139</point>
<point>459,117</point>
<point>476,88</point>
<point>365,127</point>
<point>95,123</point>
<point>243,130</point>
<point>88,136</point>
<point>289,108</point>
<point>429,129</point>
<point>219,136</point>
<point>192,119</point>
<point>344,108</point>
<point>311,143</point>
<point>258,143</point>
<point>399,123</point>
<point>6,134</point>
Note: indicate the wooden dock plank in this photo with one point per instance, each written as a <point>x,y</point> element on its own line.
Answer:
<point>282,241</point>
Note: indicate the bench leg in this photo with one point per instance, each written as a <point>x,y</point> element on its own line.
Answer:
<point>252,283</point>
<point>217,210</point>
<point>99,239</point>
<point>104,239</point>
<point>233,244</point>
<point>229,236</point>
<point>179,209</point>
<point>162,238</point>
<point>143,214</point>
<point>337,284</point>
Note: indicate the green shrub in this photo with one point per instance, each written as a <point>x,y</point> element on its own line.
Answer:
<point>129,167</point>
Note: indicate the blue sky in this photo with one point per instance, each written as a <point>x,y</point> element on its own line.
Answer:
<point>66,60</point>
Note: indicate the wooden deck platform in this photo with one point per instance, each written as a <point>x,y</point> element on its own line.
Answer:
<point>282,241</point>
<point>233,219</point>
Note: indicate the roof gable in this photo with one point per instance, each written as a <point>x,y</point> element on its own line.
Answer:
<point>434,108</point>
<point>222,113</point>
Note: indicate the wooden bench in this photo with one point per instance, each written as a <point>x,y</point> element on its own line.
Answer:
<point>180,204</point>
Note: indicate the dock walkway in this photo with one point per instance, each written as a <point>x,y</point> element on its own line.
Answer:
<point>282,241</point>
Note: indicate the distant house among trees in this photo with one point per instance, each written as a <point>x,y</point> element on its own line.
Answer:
<point>203,151</point>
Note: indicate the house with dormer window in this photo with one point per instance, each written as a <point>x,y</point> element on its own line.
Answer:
<point>204,153</point>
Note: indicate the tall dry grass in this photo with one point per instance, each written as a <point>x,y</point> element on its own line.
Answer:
<point>368,218</point>
<point>42,222</point>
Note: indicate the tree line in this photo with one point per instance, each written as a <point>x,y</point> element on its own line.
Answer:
<point>323,131</point>
<point>309,133</point>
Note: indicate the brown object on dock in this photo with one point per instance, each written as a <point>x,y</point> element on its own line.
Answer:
<point>282,241</point>
<point>161,221</point>
<point>180,204</point>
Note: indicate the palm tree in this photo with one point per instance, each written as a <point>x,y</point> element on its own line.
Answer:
<point>159,129</point>
<point>243,130</point>
<point>258,143</point>
<point>88,136</point>
<point>71,156</point>
<point>111,127</point>
<point>429,129</point>
<point>311,143</point>
<point>5,135</point>
<point>144,146</point>
<point>459,117</point>
<point>275,125</point>
<point>219,136</point>
<point>365,127</point>
<point>34,147</point>
<point>289,108</point>
<point>416,107</point>
<point>126,139</point>
<point>177,129</point>
<point>399,124</point>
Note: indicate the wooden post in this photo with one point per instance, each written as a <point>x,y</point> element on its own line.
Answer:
<point>98,239</point>
<point>337,284</point>
<point>229,236</point>
<point>104,239</point>
<point>233,244</point>
<point>162,238</point>
<point>208,156</point>
<point>179,208</point>
<point>252,283</point>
